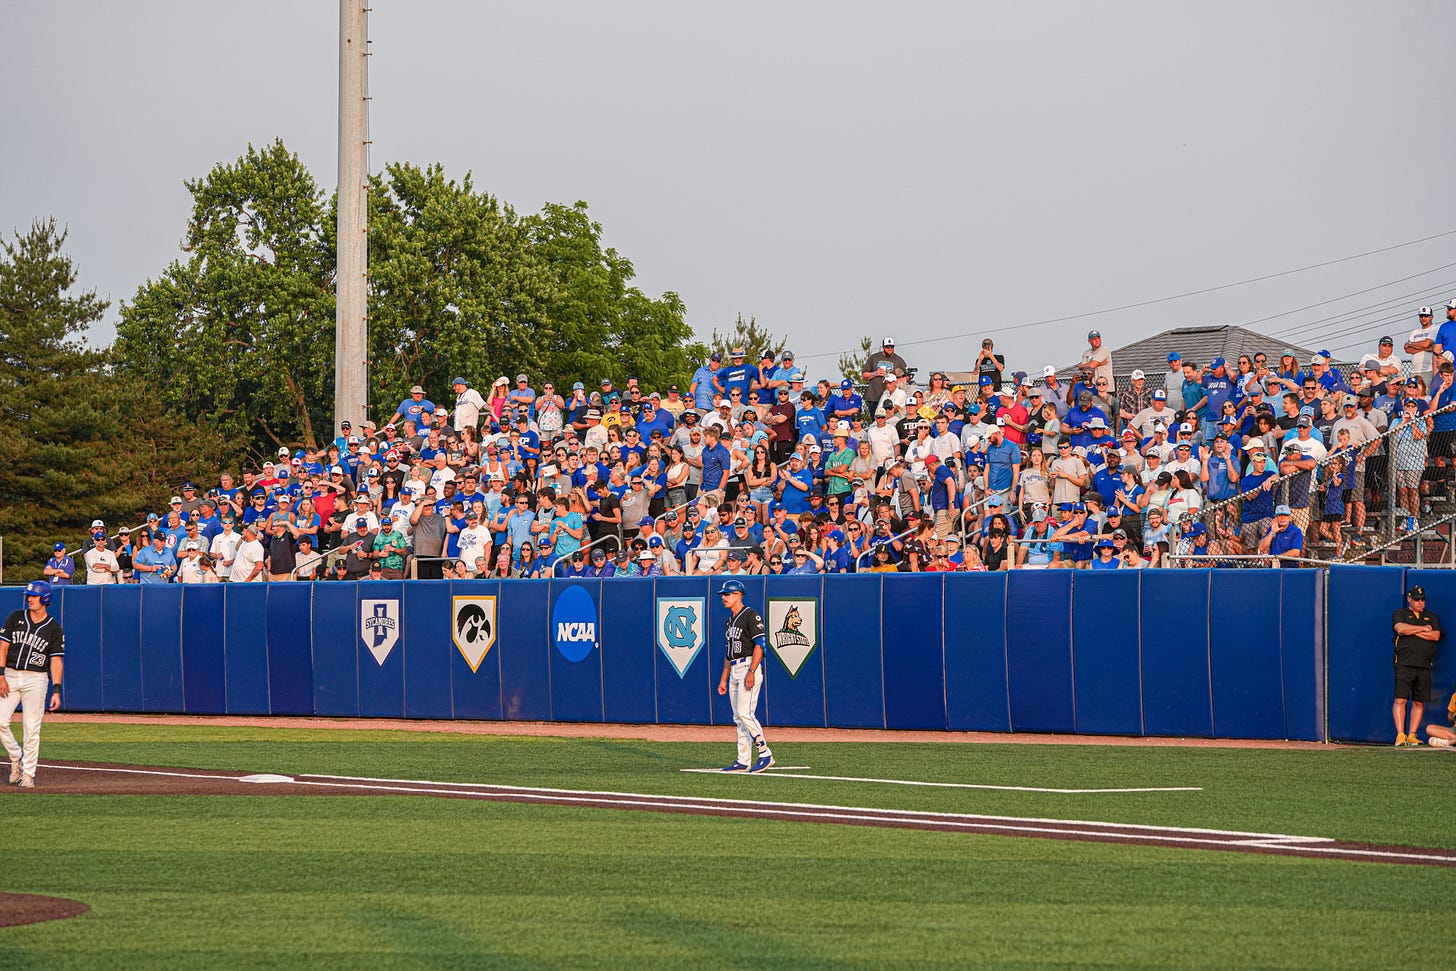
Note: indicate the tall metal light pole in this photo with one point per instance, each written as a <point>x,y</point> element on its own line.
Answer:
<point>351,321</point>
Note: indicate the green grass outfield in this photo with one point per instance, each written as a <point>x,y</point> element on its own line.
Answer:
<point>382,882</point>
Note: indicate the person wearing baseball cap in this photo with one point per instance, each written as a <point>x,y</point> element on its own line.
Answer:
<point>1284,540</point>
<point>60,568</point>
<point>1096,363</point>
<point>744,676</point>
<point>1417,631</point>
<point>416,408</point>
<point>847,404</point>
<point>1421,345</point>
<point>878,364</point>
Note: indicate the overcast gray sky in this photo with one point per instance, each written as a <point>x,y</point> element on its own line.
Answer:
<point>926,170</point>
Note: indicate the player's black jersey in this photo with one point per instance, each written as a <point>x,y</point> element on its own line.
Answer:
<point>743,629</point>
<point>32,645</point>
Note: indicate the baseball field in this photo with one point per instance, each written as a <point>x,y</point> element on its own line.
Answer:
<point>390,848</point>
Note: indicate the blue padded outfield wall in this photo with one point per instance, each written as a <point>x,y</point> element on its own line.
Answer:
<point>1225,653</point>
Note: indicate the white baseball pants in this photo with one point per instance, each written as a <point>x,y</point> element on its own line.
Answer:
<point>28,688</point>
<point>745,703</point>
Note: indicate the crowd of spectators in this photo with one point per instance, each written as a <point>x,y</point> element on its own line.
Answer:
<point>752,469</point>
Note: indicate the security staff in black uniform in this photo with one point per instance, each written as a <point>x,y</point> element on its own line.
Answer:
<point>32,642</point>
<point>1416,632</point>
<point>743,677</point>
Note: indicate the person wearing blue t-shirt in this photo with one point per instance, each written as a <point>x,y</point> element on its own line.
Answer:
<point>846,404</point>
<point>1105,557</point>
<point>1284,539</point>
<point>416,408</point>
<point>797,482</point>
<point>707,381</point>
<point>738,375</point>
<point>808,419</point>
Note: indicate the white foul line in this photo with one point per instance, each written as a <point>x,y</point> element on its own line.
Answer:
<point>1094,829</point>
<point>952,785</point>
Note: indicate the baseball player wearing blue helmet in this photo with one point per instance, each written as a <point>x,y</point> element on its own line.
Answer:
<point>32,643</point>
<point>744,676</point>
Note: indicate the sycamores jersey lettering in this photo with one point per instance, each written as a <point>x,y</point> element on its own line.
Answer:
<point>31,645</point>
<point>743,630</point>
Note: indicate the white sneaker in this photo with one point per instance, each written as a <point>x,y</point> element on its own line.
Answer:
<point>14,771</point>
<point>1439,742</point>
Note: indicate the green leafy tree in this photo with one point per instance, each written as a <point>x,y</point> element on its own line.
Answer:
<point>748,335</point>
<point>851,365</point>
<point>240,332</point>
<point>77,441</point>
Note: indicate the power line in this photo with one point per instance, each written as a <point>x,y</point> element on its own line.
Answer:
<point>1158,300</point>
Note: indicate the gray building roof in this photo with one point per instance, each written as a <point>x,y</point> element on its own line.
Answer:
<point>1200,345</point>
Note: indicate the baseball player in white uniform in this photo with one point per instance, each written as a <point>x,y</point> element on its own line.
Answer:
<point>32,642</point>
<point>744,676</point>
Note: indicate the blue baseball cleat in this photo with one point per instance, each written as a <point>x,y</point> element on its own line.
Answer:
<point>764,762</point>
<point>735,767</point>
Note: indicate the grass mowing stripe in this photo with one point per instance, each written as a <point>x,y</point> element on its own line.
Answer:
<point>944,785</point>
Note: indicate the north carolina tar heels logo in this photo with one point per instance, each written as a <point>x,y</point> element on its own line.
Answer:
<point>793,631</point>
<point>680,631</point>
<point>379,627</point>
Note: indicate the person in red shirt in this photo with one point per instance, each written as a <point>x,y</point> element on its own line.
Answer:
<point>1013,409</point>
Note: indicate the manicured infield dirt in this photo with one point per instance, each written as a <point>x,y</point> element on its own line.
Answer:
<point>29,908</point>
<point>105,779</point>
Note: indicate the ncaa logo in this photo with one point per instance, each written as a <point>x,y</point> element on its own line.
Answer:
<point>574,623</point>
<point>680,631</point>
<point>379,627</point>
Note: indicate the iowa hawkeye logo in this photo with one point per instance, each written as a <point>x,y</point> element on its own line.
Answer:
<point>793,631</point>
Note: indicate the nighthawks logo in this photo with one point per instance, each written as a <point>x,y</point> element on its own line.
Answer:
<point>379,627</point>
<point>680,631</point>
<point>793,631</point>
<point>472,625</point>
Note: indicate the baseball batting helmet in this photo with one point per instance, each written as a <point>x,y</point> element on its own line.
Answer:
<point>41,589</point>
<point>731,586</point>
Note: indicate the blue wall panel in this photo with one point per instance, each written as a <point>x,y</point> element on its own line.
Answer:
<point>290,648</point>
<point>121,673</point>
<point>82,622</point>
<point>1440,587</point>
<point>335,649</point>
<point>11,598</point>
<point>161,647</point>
<point>245,625</point>
<point>426,646</point>
<point>1039,651</point>
<point>1177,698</point>
<point>381,685</point>
<point>1302,653</point>
<point>477,694</point>
<point>976,698</point>
<point>522,641</point>
<point>914,651</point>
<point>1362,651</point>
<point>684,699</point>
<point>628,650</point>
<point>204,678</point>
<point>853,679</point>
<point>576,681</point>
<point>796,700</point>
<point>1107,652</point>
<point>1245,659</point>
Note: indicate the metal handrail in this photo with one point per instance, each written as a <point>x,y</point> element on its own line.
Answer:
<point>1252,556</point>
<point>551,570</point>
<point>871,551</point>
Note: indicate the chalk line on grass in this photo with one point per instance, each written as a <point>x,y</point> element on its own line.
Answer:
<point>1047,828</point>
<point>955,785</point>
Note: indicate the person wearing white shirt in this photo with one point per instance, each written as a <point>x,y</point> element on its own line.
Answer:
<point>884,439</point>
<point>224,548</point>
<point>307,560</point>
<point>1420,345</point>
<point>475,539</point>
<point>248,560</point>
<point>101,565</point>
<point>893,393</point>
<point>401,512</point>
<point>468,405</point>
<point>978,430</point>
<point>190,568</point>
